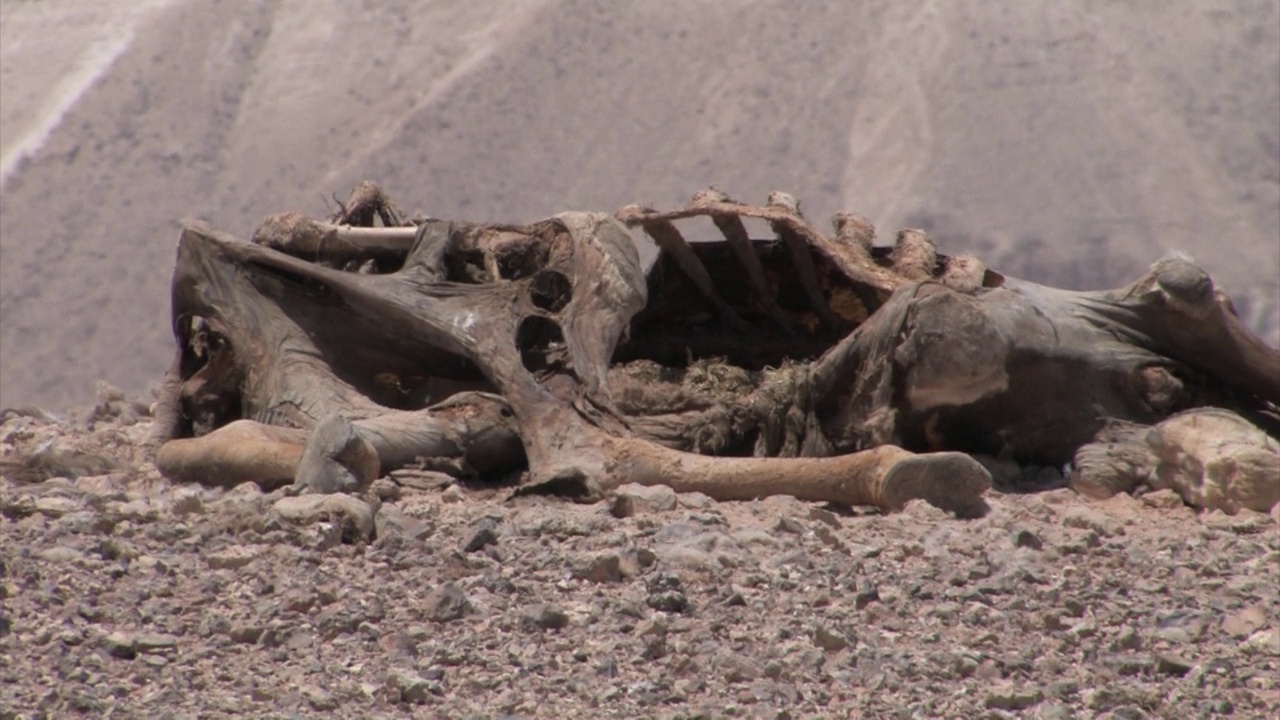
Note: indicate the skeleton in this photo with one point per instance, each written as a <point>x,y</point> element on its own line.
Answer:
<point>821,367</point>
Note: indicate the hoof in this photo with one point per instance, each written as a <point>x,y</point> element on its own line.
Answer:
<point>952,481</point>
<point>337,459</point>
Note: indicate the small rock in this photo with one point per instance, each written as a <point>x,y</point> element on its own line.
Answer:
<point>1052,620</point>
<point>655,648</point>
<point>825,517</point>
<point>55,506</point>
<point>453,495</point>
<point>398,643</point>
<point>243,492</point>
<point>546,617</point>
<point>212,624</point>
<point>694,501</point>
<point>1126,663</point>
<point>794,559</point>
<point>446,604</point>
<point>232,558</point>
<point>318,698</point>
<point>1010,697</point>
<point>353,515</point>
<point>1054,711</point>
<point>1220,707</point>
<point>1245,622</point>
<point>121,646</point>
<point>1088,519</point>
<point>187,503</point>
<point>1167,664</point>
<point>391,522</point>
<point>421,479</point>
<point>408,687</point>
<point>385,489</point>
<point>152,642</point>
<point>912,549</point>
<point>666,595</point>
<point>483,535</point>
<point>739,669</point>
<point>602,568</point>
<point>1165,499</point>
<point>135,510</point>
<point>334,622</point>
<point>115,549</point>
<point>1128,639</point>
<point>1244,523</point>
<point>300,639</point>
<point>1086,628</point>
<point>1063,689</point>
<point>653,627</point>
<point>631,499</point>
<point>865,596</point>
<point>1263,642</point>
<point>1176,635</point>
<point>645,557</point>
<point>653,632</point>
<point>687,556</point>
<point>607,668</point>
<point>1073,606</point>
<point>789,525</point>
<point>828,639</point>
<point>245,633</point>
<point>1027,539</point>
<point>1182,626</point>
<point>829,538</point>
<point>60,554</point>
<point>671,602</point>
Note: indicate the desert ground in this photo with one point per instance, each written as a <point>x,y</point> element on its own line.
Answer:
<point>123,595</point>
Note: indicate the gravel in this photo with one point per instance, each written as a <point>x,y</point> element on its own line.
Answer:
<point>123,595</point>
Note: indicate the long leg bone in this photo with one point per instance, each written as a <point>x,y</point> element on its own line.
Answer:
<point>468,434</point>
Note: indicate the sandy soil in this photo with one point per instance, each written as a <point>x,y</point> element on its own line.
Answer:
<point>122,595</point>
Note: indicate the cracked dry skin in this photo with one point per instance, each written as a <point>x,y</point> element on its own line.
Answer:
<point>123,595</point>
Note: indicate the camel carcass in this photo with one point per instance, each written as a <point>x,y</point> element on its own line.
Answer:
<point>810,365</point>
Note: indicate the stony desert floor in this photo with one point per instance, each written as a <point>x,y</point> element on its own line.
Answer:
<point>122,595</point>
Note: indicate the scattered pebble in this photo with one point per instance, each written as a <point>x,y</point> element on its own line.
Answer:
<point>126,596</point>
<point>446,604</point>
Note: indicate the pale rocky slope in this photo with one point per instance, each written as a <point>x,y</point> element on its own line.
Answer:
<point>1067,142</point>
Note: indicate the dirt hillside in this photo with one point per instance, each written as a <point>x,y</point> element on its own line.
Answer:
<point>1070,143</point>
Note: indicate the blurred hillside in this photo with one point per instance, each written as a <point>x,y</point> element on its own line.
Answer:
<point>1070,143</point>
